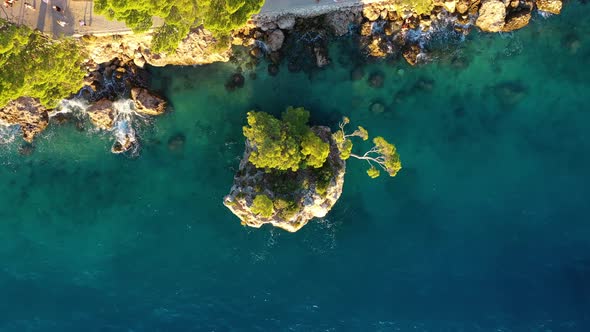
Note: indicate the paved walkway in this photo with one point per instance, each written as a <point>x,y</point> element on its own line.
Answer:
<point>80,18</point>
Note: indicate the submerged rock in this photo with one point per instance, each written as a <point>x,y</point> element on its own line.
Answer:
<point>321,56</point>
<point>28,114</point>
<point>510,92</point>
<point>237,80</point>
<point>357,73</point>
<point>376,79</point>
<point>377,108</point>
<point>297,197</point>
<point>273,69</point>
<point>176,142</point>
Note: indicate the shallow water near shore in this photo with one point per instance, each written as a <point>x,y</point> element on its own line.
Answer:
<point>485,228</point>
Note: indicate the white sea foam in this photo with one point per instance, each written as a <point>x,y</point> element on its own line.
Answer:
<point>125,122</point>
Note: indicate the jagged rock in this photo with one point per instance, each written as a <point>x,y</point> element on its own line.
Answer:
<point>411,53</point>
<point>491,16</point>
<point>309,195</point>
<point>267,25</point>
<point>124,144</point>
<point>392,27</point>
<point>256,52</point>
<point>371,13</point>
<point>366,29</point>
<point>450,6</point>
<point>28,114</point>
<point>549,6</point>
<point>102,114</point>
<point>340,21</point>
<point>139,61</point>
<point>147,102</point>
<point>462,6</point>
<point>515,21</point>
<point>321,56</point>
<point>275,40</point>
<point>375,49</point>
<point>286,22</point>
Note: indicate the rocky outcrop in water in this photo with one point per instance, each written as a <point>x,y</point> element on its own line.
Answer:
<point>549,6</point>
<point>147,102</point>
<point>297,197</point>
<point>28,114</point>
<point>102,114</point>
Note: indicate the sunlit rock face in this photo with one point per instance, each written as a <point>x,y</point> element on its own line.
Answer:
<point>197,48</point>
<point>26,113</point>
<point>297,197</point>
<point>550,6</point>
<point>491,16</point>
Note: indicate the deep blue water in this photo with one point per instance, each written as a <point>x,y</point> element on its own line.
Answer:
<point>485,229</point>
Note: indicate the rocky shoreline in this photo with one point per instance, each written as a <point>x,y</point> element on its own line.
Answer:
<point>384,26</point>
<point>299,37</point>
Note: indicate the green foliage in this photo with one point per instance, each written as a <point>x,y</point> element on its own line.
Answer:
<point>286,144</point>
<point>383,153</point>
<point>314,149</point>
<point>344,144</point>
<point>36,66</point>
<point>218,16</point>
<point>362,133</point>
<point>391,160</point>
<point>262,206</point>
<point>373,172</point>
<point>418,6</point>
<point>223,16</point>
<point>322,177</point>
<point>286,209</point>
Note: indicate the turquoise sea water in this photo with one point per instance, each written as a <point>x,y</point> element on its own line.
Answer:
<point>485,229</point>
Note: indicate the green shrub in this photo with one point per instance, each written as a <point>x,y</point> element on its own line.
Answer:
<point>33,65</point>
<point>418,6</point>
<point>218,16</point>
<point>262,206</point>
<point>286,144</point>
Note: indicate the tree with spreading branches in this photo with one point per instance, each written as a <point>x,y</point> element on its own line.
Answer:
<point>382,155</point>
